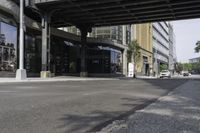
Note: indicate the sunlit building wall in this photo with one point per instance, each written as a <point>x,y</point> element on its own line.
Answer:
<point>143,35</point>
<point>160,45</point>
<point>172,49</point>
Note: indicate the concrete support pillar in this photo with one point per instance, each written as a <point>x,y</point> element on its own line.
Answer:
<point>84,31</point>
<point>84,72</point>
<point>125,62</point>
<point>21,72</point>
<point>45,46</point>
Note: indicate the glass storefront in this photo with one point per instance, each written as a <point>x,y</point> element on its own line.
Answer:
<point>65,56</point>
<point>104,60</point>
<point>32,54</point>
<point>8,46</point>
<point>116,61</point>
<point>98,61</point>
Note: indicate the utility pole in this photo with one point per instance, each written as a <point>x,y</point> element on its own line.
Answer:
<point>21,72</point>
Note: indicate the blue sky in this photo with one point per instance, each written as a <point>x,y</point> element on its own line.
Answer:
<point>187,33</point>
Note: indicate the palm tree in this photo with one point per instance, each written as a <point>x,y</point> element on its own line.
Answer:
<point>197,48</point>
<point>133,53</point>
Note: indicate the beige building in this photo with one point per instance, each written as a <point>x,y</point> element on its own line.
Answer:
<point>143,35</point>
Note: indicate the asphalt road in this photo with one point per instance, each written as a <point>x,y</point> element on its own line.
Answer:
<point>65,107</point>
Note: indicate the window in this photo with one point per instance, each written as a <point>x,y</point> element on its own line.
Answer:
<point>8,45</point>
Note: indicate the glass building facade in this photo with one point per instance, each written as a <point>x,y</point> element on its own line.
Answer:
<point>8,47</point>
<point>160,45</point>
<point>104,60</point>
<point>113,33</point>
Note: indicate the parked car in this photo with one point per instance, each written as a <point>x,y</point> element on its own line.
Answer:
<point>165,73</point>
<point>186,73</point>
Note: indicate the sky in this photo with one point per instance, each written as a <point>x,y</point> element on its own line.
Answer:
<point>187,33</point>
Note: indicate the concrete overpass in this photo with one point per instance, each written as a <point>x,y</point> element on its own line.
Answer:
<point>93,13</point>
<point>117,12</point>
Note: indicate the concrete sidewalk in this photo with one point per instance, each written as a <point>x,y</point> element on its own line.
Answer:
<point>178,112</point>
<point>146,77</point>
<point>60,78</point>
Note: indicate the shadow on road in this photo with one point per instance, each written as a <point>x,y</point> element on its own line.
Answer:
<point>178,112</point>
<point>98,119</point>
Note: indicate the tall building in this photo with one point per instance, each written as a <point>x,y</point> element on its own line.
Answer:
<point>161,45</point>
<point>143,35</point>
<point>172,48</point>
<point>164,46</point>
<point>120,34</point>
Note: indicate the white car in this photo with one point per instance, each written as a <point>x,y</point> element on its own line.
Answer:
<point>165,73</point>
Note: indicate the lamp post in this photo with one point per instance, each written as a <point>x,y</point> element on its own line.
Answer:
<point>21,72</point>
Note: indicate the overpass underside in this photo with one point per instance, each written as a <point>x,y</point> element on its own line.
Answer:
<point>117,12</point>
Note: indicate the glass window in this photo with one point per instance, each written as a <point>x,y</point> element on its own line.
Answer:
<point>8,45</point>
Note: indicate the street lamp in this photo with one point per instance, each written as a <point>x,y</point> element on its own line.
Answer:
<point>21,72</point>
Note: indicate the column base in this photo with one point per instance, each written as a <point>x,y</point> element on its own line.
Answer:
<point>21,74</point>
<point>83,74</point>
<point>45,74</point>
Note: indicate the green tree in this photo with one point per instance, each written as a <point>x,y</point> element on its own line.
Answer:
<point>133,53</point>
<point>197,48</point>
<point>196,67</point>
<point>179,67</point>
<point>187,66</point>
<point>163,67</point>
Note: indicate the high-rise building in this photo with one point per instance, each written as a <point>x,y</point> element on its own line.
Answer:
<point>161,45</point>
<point>172,48</point>
<point>143,35</point>
<point>164,47</point>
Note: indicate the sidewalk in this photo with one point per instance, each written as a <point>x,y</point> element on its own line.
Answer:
<point>178,112</point>
<point>146,77</point>
<point>60,78</point>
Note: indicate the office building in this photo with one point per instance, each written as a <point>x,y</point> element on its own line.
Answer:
<point>194,60</point>
<point>143,35</point>
<point>172,49</point>
<point>160,45</point>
